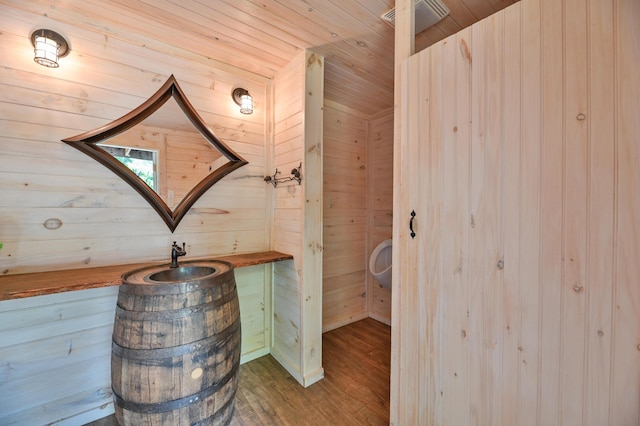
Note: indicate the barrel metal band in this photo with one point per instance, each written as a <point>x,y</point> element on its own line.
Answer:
<point>211,419</point>
<point>175,313</point>
<point>163,407</point>
<point>151,356</point>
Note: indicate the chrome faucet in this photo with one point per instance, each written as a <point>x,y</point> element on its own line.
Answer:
<point>176,251</point>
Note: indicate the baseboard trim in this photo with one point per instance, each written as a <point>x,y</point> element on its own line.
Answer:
<point>344,321</point>
<point>314,377</point>
<point>244,358</point>
<point>380,318</point>
<point>286,364</point>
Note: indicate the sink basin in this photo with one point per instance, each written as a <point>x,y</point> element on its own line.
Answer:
<point>182,273</point>
<point>188,273</point>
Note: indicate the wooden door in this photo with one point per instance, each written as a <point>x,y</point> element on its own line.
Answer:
<point>517,302</point>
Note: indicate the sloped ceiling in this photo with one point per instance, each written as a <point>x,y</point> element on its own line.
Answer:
<point>262,36</point>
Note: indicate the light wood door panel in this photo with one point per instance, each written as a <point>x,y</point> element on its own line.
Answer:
<point>516,300</point>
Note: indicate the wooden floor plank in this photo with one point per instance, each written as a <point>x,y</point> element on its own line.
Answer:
<point>355,390</point>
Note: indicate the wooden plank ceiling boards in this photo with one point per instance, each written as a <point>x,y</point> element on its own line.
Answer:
<point>262,36</point>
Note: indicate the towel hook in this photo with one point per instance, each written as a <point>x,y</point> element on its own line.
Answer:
<point>295,175</point>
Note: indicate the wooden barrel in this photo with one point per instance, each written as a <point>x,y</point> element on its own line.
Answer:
<point>176,346</point>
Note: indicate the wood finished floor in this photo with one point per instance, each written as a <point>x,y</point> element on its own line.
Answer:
<point>354,391</point>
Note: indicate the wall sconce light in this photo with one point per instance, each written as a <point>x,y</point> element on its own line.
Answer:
<point>48,47</point>
<point>243,99</point>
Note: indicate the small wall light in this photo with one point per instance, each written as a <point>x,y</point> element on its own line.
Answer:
<point>243,99</point>
<point>48,47</point>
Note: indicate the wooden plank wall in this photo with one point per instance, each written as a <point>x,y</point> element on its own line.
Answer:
<point>104,221</point>
<point>56,350</point>
<point>345,258</point>
<point>56,357</point>
<point>380,206</point>
<point>526,149</point>
<point>288,214</point>
<point>358,207</point>
<point>297,291</point>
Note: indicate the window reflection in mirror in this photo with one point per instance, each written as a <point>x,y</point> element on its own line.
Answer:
<point>142,162</point>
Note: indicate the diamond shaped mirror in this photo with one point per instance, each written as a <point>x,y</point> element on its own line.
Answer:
<point>164,150</point>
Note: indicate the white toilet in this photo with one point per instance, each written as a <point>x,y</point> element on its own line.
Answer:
<point>380,263</point>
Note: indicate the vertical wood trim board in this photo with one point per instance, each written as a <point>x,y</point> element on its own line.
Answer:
<point>403,405</point>
<point>625,372</point>
<point>288,216</point>
<point>312,242</point>
<point>297,291</point>
<point>519,299</point>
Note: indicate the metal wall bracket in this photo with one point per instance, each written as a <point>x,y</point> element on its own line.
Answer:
<point>295,175</point>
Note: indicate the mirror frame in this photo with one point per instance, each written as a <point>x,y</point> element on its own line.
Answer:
<point>87,143</point>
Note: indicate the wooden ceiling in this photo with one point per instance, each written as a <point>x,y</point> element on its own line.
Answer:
<point>262,36</point>
<point>356,43</point>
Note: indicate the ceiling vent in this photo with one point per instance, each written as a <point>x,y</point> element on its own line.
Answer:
<point>428,12</point>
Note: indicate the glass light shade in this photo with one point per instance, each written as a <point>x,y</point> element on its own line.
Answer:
<point>46,51</point>
<point>246,104</point>
<point>48,47</point>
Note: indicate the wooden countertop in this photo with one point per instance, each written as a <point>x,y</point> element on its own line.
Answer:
<point>40,283</point>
